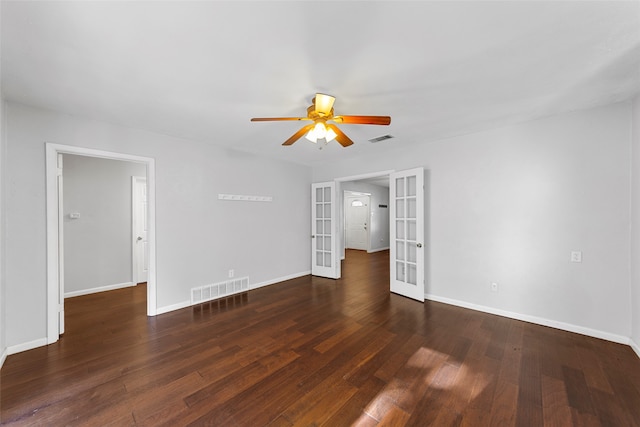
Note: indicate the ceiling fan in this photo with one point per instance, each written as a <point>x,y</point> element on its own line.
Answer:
<point>320,112</point>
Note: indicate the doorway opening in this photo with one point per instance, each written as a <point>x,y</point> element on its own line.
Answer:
<point>56,218</point>
<point>376,187</point>
<point>406,205</point>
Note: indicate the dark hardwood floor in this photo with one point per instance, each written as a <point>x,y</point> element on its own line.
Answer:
<point>314,351</point>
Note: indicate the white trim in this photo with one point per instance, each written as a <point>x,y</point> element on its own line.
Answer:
<point>635,347</point>
<point>3,357</point>
<point>53,258</point>
<point>173,307</point>
<point>364,176</point>
<point>534,319</point>
<point>19,348</point>
<point>152,303</point>
<point>378,250</point>
<point>99,289</point>
<point>51,152</point>
<point>60,207</point>
<point>278,280</point>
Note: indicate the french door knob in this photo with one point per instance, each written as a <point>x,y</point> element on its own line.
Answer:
<point>419,245</point>
<point>139,238</point>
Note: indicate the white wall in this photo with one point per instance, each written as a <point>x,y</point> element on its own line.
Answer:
<point>379,221</point>
<point>199,238</point>
<point>635,227</point>
<point>97,246</point>
<point>509,205</point>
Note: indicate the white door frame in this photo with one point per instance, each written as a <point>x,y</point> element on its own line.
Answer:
<point>54,250</point>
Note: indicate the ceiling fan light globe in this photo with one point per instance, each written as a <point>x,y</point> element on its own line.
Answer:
<point>311,136</point>
<point>319,130</point>
<point>330,135</point>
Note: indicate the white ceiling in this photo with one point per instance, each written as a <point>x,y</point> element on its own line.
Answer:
<point>202,69</point>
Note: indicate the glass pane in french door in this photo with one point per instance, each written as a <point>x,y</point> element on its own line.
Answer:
<point>323,227</point>
<point>405,236</point>
<point>324,262</point>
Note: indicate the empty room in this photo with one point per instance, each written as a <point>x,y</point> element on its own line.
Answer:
<point>287,213</point>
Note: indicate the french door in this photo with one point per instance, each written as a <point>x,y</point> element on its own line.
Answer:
<point>324,242</point>
<point>407,254</point>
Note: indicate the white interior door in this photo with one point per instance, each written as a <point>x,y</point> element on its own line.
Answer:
<point>407,253</point>
<point>357,222</point>
<point>140,230</point>
<point>324,241</point>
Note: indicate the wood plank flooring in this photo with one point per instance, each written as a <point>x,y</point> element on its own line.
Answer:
<point>313,351</point>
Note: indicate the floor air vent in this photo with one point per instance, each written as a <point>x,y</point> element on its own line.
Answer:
<point>218,290</point>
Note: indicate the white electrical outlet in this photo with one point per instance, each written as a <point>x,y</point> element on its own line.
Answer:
<point>576,256</point>
<point>231,273</point>
<point>494,287</point>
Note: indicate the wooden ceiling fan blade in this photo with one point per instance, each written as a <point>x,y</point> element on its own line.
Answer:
<point>296,136</point>
<point>323,103</point>
<point>363,120</point>
<point>278,119</point>
<point>342,139</point>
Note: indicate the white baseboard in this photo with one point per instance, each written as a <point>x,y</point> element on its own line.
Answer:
<point>635,347</point>
<point>173,307</point>
<point>3,357</point>
<point>278,280</point>
<point>533,319</point>
<point>19,348</point>
<point>378,250</point>
<point>98,289</point>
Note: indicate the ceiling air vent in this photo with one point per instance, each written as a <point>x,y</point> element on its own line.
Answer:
<point>381,138</point>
